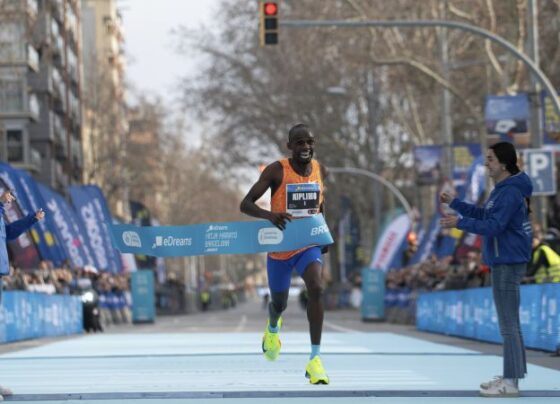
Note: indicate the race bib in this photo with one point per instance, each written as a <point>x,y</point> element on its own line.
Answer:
<point>303,199</point>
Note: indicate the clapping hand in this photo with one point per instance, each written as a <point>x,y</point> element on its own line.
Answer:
<point>444,197</point>
<point>448,222</point>
<point>40,214</point>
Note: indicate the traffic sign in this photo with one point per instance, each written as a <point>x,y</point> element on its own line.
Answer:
<point>541,168</point>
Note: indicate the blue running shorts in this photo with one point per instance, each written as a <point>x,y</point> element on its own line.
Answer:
<point>280,271</point>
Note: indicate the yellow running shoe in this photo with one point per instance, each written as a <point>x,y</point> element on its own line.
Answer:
<point>271,342</point>
<point>315,372</point>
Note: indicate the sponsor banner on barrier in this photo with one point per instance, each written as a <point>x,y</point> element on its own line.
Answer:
<point>471,313</point>
<point>221,238</point>
<point>25,315</point>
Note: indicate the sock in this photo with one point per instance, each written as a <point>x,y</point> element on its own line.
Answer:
<point>315,350</point>
<point>273,329</point>
<point>511,382</point>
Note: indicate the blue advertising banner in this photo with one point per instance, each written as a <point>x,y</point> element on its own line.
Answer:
<point>373,294</point>
<point>427,160</point>
<point>25,315</point>
<point>471,313</point>
<point>67,227</point>
<point>48,244</point>
<point>24,250</point>
<point>92,209</point>
<point>507,118</point>
<point>143,301</point>
<point>221,238</point>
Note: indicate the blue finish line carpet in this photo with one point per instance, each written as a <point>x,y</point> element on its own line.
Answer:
<point>178,367</point>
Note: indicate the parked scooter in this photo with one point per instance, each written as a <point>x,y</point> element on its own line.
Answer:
<point>90,308</point>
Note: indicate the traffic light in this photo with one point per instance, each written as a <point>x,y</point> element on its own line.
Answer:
<point>268,24</point>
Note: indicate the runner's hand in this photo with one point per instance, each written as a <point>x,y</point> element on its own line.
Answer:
<point>279,219</point>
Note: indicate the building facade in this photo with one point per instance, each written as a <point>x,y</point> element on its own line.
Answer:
<point>105,112</point>
<point>40,89</point>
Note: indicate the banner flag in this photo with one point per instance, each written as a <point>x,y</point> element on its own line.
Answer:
<point>91,208</point>
<point>24,249</point>
<point>67,228</point>
<point>220,238</point>
<point>50,247</point>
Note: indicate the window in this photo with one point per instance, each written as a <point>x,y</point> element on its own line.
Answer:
<point>15,145</point>
<point>11,41</point>
<point>11,94</point>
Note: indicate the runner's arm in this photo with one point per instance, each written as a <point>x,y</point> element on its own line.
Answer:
<point>268,179</point>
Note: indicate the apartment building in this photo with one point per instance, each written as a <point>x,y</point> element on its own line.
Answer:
<point>40,89</point>
<point>105,111</point>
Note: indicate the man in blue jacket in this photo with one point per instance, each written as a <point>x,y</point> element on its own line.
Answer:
<point>10,232</point>
<point>504,223</point>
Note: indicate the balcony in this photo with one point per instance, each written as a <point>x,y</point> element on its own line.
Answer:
<point>34,107</point>
<point>32,9</point>
<point>32,58</point>
<point>58,10</point>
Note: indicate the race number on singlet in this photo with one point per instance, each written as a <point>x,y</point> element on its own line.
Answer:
<point>302,199</point>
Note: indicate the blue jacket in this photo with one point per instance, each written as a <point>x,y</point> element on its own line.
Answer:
<point>504,221</point>
<point>10,232</point>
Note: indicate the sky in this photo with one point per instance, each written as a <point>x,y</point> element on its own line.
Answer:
<point>152,65</point>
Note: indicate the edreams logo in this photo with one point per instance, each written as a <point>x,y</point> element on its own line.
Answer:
<point>170,241</point>
<point>214,227</point>
<point>270,235</point>
<point>131,239</point>
<point>315,231</point>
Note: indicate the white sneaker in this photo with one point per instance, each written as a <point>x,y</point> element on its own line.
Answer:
<point>4,391</point>
<point>495,379</point>
<point>500,388</point>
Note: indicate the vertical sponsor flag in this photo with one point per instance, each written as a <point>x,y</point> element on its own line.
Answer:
<point>92,209</point>
<point>50,247</point>
<point>24,251</point>
<point>67,228</point>
<point>390,243</point>
<point>39,234</point>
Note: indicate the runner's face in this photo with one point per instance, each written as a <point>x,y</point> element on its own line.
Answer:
<point>302,147</point>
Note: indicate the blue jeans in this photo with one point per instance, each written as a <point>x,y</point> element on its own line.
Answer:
<point>505,287</point>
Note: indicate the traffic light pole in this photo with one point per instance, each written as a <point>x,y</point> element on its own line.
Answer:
<point>534,68</point>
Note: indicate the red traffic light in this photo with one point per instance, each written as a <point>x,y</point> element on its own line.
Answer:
<point>270,8</point>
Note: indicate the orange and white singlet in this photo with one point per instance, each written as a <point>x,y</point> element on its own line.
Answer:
<point>299,196</point>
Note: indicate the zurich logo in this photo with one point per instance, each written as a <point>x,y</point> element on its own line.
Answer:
<point>270,235</point>
<point>131,239</point>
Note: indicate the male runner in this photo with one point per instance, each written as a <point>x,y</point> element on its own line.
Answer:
<point>296,185</point>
